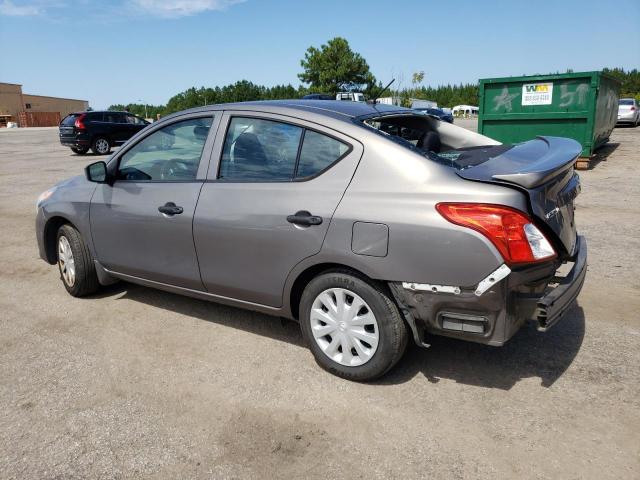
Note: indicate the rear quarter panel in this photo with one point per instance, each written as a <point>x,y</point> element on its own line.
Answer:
<point>398,188</point>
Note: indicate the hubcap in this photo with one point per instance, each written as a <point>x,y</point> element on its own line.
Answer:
<point>344,327</point>
<point>66,262</point>
<point>102,145</point>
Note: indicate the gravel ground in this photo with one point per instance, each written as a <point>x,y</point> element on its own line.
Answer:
<point>137,383</point>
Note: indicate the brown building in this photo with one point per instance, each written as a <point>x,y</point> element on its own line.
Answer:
<point>34,110</point>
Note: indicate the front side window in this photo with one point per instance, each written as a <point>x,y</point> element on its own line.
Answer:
<point>169,154</point>
<point>259,150</point>
<point>133,120</point>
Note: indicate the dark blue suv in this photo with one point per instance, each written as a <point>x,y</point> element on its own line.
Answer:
<point>98,131</point>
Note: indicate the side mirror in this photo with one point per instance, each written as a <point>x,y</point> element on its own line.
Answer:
<point>96,172</point>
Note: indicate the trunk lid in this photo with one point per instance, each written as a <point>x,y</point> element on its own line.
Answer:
<point>67,125</point>
<point>543,168</point>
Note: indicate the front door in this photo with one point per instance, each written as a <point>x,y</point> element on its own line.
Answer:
<point>269,204</point>
<point>142,224</point>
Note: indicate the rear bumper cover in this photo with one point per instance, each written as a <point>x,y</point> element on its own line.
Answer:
<point>531,294</point>
<point>550,308</point>
<point>627,117</point>
<point>81,140</point>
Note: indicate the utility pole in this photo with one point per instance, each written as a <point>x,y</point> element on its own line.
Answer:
<point>146,115</point>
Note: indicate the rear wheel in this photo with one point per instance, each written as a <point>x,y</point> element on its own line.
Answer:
<point>101,146</point>
<point>352,326</point>
<point>80,151</point>
<point>77,270</point>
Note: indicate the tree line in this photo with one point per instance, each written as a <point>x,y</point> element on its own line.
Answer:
<point>335,67</point>
<point>244,90</point>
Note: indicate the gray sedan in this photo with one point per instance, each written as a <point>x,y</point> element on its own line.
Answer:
<point>371,225</point>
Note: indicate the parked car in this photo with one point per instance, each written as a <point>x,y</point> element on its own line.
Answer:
<point>629,111</point>
<point>98,131</point>
<point>318,96</point>
<point>342,218</point>
<point>437,112</point>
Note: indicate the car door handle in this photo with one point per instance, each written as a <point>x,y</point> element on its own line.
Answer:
<point>303,217</point>
<point>170,208</point>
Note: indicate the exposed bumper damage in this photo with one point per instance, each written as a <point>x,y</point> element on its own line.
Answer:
<point>493,311</point>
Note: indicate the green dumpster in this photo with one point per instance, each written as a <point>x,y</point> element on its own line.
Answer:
<point>582,106</point>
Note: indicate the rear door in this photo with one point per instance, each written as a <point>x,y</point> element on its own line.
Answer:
<point>268,202</point>
<point>142,224</point>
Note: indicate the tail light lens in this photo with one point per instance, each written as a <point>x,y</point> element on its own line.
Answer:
<point>632,108</point>
<point>512,232</point>
<point>79,123</point>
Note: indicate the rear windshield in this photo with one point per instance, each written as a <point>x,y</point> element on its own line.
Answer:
<point>415,133</point>
<point>69,120</point>
<point>626,101</point>
<point>408,136</point>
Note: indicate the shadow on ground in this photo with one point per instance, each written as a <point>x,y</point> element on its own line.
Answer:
<point>602,154</point>
<point>528,354</point>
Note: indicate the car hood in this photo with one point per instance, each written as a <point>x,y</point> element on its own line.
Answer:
<point>72,182</point>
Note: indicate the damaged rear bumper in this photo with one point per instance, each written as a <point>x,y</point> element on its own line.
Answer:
<point>536,293</point>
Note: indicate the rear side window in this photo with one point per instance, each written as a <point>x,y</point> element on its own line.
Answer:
<point>318,153</point>
<point>95,117</point>
<point>258,150</point>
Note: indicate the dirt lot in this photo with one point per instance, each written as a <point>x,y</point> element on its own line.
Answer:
<point>136,383</point>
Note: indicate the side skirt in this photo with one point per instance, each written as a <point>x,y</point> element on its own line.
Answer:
<point>274,311</point>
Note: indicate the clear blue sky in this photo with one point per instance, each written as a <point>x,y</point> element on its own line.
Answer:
<point>121,51</point>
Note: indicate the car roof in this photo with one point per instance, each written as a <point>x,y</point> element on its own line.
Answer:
<point>101,111</point>
<point>342,110</point>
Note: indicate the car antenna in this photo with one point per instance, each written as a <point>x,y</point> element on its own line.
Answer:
<point>375,99</point>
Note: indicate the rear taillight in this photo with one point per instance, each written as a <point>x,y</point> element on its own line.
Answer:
<point>79,123</point>
<point>632,108</point>
<point>512,232</point>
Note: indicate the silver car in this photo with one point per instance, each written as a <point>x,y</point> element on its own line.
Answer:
<point>628,111</point>
<point>371,225</point>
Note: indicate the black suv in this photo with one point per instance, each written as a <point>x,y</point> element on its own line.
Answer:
<point>98,130</point>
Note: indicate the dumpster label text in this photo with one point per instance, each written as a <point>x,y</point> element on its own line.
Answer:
<point>537,93</point>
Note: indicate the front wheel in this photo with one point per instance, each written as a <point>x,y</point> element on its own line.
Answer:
<point>101,146</point>
<point>352,326</point>
<point>77,270</point>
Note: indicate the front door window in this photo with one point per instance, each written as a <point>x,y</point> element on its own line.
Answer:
<point>169,154</point>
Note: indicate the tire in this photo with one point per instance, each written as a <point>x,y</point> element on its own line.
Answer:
<point>77,272</point>
<point>101,146</point>
<point>80,151</point>
<point>367,363</point>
